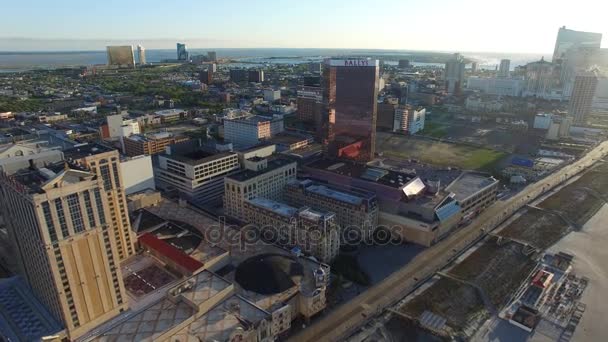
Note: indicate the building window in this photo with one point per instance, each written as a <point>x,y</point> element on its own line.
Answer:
<point>50,225</point>
<point>100,211</point>
<point>61,215</point>
<point>105,175</point>
<point>75,213</point>
<point>87,204</point>
<point>116,176</point>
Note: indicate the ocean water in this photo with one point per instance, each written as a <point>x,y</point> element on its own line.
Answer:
<point>21,61</point>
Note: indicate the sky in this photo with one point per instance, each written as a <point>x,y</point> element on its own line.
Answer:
<point>518,26</point>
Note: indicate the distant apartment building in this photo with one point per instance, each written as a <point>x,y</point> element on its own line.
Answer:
<point>271,95</point>
<point>105,163</point>
<point>141,55</point>
<point>310,106</point>
<point>404,63</point>
<point>496,86</point>
<point>196,174</point>
<point>249,131</point>
<point>539,79</point>
<point>182,52</point>
<point>585,85</point>
<point>238,75</point>
<point>212,56</point>
<point>353,207</point>
<point>504,70</point>
<point>117,127</point>
<point>454,74</point>
<point>149,144</point>
<point>121,56</point>
<point>262,177</point>
<point>59,220</point>
<point>256,76</point>
<point>315,232</point>
<point>386,116</point>
<point>408,119</point>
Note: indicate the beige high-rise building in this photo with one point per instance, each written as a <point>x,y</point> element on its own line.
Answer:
<point>582,96</point>
<point>105,163</point>
<point>58,218</point>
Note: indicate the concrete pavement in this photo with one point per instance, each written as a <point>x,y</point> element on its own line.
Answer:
<point>344,320</point>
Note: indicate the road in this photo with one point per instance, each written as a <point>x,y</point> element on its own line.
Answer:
<point>344,320</point>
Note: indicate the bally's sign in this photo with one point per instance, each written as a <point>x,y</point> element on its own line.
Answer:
<point>354,62</point>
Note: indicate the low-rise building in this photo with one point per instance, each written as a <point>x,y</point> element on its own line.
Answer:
<point>262,177</point>
<point>474,191</point>
<point>250,131</point>
<point>353,207</point>
<point>271,95</point>
<point>496,86</point>
<point>171,115</point>
<point>149,144</point>
<point>196,174</point>
<point>315,232</point>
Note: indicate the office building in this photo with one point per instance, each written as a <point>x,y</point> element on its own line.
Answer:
<point>570,39</point>
<point>149,144</point>
<point>600,99</point>
<point>117,127</point>
<point>315,232</point>
<point>262,177</point>
<point>141,55</point>
<point>271,95</point>
<point>474,66</point>
<point>386,116</point>
<point>350,94</point>
<point>315,67</point>
<point>581,100</point>
<point>206,76</point>
<point>408,119</point>
<point>504,71</point>
<point>195,173</point>
<point>310,107</point>
<point>539,78</point>
<point>404,63</point>
<point>105,163</point>
<point>454,74</point>
<point>256,76</point>
<point>496,86</point>
<point>121,56</point>
<point>238,75</point>
<point>60,222</point>
<point>182,53</point>
<point>137,174</point>
<point>249,131</point>
<point>212,56</point>
<point>353,207</point>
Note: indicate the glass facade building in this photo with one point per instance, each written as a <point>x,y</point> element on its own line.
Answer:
<point>350,98</point>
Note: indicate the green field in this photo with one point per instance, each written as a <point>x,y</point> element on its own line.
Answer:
<point>438,153</point>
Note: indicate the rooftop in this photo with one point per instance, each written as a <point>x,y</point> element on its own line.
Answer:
<point>351,197</point>
<point>85,150</point>
<point>273,164</point>
<point>171,252</point>
<point>36,180</point>
<point>469,183</point>
<point>385,177</point>
<point>22,317</point>
<point>253,120</point>
<point>274,206</point>
<point>286,139</point>
<point>197,157</point>
<point>168,112</point>
<point>151,136</point>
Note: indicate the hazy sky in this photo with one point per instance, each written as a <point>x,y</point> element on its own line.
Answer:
<point>450,25</point>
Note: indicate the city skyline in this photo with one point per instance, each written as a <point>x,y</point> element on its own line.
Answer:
<point>296,26</point>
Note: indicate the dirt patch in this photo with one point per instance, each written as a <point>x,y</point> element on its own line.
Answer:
<point>538,228</point>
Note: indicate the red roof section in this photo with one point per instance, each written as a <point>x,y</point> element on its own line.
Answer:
<point>170,252</point>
